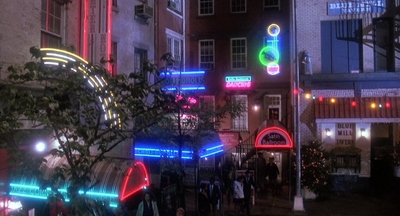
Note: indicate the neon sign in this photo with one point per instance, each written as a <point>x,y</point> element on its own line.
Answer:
<point>186,80</point>
<point>269,56</point>
<point>273,137</point>
<point>173,153</point>
<point>238,81</point>
<point>136,179</point>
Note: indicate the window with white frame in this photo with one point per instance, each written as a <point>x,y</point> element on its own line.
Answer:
<point>206,56</point>
<point>206,7</point>
<point>174,46</point>
<point>51,24</point>
<point>271,5</point>
<point>175,5</point>
<point>272,103</point>
<point>238,53</point>
<point>241,123</point>
<point>238,6</point>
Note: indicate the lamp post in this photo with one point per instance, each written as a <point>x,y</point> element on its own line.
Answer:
<point>298,200</point>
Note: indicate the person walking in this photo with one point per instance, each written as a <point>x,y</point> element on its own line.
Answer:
<point>238,194</point>
<point>203,201</point>
<point>148,207</point>
<point>248,184</point>
<point>261,172</point>
<point>272,173</point>
<point>213,195</point>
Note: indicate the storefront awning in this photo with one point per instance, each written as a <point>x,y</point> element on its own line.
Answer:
<point>368,107</point>
<point>118,180</point>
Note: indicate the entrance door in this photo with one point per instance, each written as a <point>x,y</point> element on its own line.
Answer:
<point>381,168</point>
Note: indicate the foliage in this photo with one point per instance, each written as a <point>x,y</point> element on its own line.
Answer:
<point>315,169</point>
<point>396,154</point>
<point>346,150</point>
<point>60,102</point>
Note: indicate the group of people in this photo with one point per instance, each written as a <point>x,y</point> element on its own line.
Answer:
<point>148,207</point>
<point>209,198</point>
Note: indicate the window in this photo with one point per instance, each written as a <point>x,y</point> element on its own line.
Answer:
<point>240,123</point>
<point>238,53</point>
<point>238,6</point>
<point>140,56</point>
<point>174,46</point>
<point>50,24</point>
<point>273,105</point>
<point>115,3</point>
<point>175,5</point>
<point>207,104</point>
<point>114,52</point>
<point>384,52</point>
<point>341,50</point>
<point>271,5</point>
<point>206,7</point>
<point>206,56</point>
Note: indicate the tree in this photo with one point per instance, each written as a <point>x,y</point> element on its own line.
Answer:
<point>81,107</point>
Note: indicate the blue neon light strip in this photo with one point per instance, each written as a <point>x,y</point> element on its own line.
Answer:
<point>181,73</point>
<point>33,187</point>
<point>185,88</point>
<point>156,153</point>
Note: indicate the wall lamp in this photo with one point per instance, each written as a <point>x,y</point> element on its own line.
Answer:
<point>328,132</point>
<point>362,132</point>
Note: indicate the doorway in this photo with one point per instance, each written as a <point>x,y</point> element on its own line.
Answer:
<point>381,167</point>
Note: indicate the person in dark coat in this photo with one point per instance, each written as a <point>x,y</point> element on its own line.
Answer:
<point>272,173</point>
<point>248,184</point>
<point>214,195</point>
<point>204,202</point>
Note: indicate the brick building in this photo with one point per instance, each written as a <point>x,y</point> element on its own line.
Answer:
<point>348,61</point>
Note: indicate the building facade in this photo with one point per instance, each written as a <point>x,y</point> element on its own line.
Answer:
<point>348,64</point>
<point>244,48</point>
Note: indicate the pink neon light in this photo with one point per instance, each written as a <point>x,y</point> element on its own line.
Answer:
<point>109,28</point>
<point>85,30</point>
<point>266,130</point>
<point>141,167</point>
<point>238,85</point>
<point>273,69</point>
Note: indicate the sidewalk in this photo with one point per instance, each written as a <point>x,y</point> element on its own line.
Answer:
<point>385,204</point>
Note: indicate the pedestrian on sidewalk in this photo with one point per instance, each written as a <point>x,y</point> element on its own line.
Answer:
<point>238,194</point>
<point>214,195</point>
<point>272,173</point>
<point>248,185</point>
<point>203,201</point>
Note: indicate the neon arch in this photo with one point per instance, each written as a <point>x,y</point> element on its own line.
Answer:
<point>276,138</point>
<point>56,57</point>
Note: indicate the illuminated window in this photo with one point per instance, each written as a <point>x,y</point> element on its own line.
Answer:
<point>140,56</point>
<point>206,48</point>
<point>206,7</point>
<point>174,46</point>
<point>238,53</point>
<point>51,24</point>
<point>273,105</point>
<point>271,5</point>
<point>175,5</point>
<point>240,123</point>
<point>238,6</point>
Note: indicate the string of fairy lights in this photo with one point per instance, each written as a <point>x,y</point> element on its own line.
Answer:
<point>354,102</point>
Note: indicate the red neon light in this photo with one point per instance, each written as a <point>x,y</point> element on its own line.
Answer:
<point>126,192</point>
<point>238,84</point>
<point>85,30</point>
<point>109,28</point>
<point>269,129</point>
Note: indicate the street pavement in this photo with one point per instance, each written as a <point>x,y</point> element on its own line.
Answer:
<point>370,203</point>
